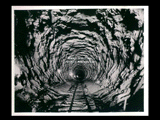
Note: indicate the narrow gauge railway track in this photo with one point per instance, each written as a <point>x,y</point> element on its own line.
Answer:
<point>78,101</point>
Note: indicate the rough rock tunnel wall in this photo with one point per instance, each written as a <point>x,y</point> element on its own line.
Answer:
<point>51,45</point>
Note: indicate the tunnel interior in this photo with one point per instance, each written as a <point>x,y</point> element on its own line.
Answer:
<point>78,59</point>
<point>79,74</point>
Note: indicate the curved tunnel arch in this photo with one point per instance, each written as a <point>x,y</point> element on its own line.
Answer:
<point>70,45</point>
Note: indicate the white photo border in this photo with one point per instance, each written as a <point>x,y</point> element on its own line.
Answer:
<point>146,77</point>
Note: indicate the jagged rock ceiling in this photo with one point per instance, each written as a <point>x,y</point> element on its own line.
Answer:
<point>104,45</point>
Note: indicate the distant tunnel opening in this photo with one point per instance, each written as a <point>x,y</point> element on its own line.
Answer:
<point>80,75</point>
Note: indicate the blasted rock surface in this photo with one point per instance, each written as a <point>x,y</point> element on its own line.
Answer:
<point>52,45</point>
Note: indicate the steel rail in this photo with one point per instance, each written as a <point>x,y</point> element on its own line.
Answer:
<point>70,108</point>
<point>87,103</point>
<point>74,93</point>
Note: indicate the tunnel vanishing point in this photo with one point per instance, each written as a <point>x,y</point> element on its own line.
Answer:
<point>79,60</point>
